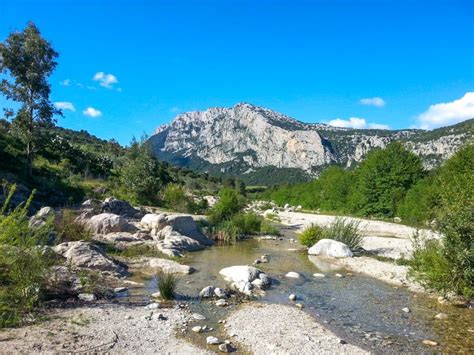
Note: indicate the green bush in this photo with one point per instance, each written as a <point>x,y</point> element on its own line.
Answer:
<point>230,202</point>
<point>311,235</point>
<point>345,231</point>
<point>268,228</point>
<point>166,285</point>
<point>247,223</point>
<point>68,229</point>
<point>174,196</point>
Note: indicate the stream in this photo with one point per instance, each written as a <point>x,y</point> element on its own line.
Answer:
<point>359,309</point>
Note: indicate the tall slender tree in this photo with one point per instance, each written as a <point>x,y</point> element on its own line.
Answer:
<point>28,60</point>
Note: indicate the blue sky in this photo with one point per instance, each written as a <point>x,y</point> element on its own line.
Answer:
<point>312,60</point>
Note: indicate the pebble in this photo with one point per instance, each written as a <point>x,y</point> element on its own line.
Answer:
<point>221,303</point>
<point>441,316</point>
<point>197,329</point>
<point>154,305</point>
<point>429,342</point>
<point>319,275</point>
<point>292,297</point>
<point>88,297</point>
<point>212,340</point>
<point>226,348</point>
<point>120,289</point>
<point>156,294</point>
<point>198,316</point>
<point>339,275</point>
<point>219,292</point>
<point>406,310</point>
<point>293,275</point>
<point>299,305</point>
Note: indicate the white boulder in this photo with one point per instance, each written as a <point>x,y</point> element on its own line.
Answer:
<point>332,248</point>
<point>105,223</point>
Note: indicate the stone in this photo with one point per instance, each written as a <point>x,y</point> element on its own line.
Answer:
<point>441,316</point>
<point>156,294</point>
<point>429,342</point>
<point>105,223</point>
<point>88,297</point>
<point>221,303</point>
<point>318,275</point>
<point>240,273</point>
<point>299,305</point>
<point>257,283</point>
<point>266,281</point>
<point>406,310</point>
<point>292,275</point>
<point>197,329</point>
<point>219,292</point>
<point>292,297</point>
<point>226,348</point>
<point>153,221</point>
<point>212,340</point>
<point>86,255</point>
<point>198,316</point>
<point>339,276</point>
<point>41,217</point>
<point>120,289</point>
<point>397,219</point>
<point>119,207</point>
<point>154,305</point>
<point>170,266</point>
<point>173,243</point>
<point>207,292</point>
<point>332,248</point>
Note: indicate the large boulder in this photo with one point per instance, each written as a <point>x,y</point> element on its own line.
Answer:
<point>152,221</point>
<point>41,217</point>
<point>120,207</point>
<point>245,279</point>
<point>165,265</point>
<point>185,225</point>
<point>332,248</point>
<point>172,243</point>
<point>86,255</point>
<point>105,223</point>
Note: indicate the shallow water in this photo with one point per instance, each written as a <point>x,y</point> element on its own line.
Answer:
<point>360,309</point>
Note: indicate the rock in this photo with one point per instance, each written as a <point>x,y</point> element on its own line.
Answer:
<point>170,266</point>
<point>318,275</point>
<point>221,303</point>
<point>299,305</point>
<point>105,223</point>
<point>243,287</point>
<point>226,348</point>
<point>212,340</point>
<point>207,292</point>
<point>397,219</point>
<point>441,316</point>
<point>185,225</point>
<point>266,281</point>
<point>339,276</point>
<point>442,300</point>
<point>120,289</point>
<point>41,217</point>
<point>119,207</point>
<point>257,283</point>
<point>198,316</point>
<point>153,221</point>
<point>219,292</point>
<point>286,206</point>
<point>332,248</point>
<point>257,261</point>
<point>293,275</point>
<point>88,297</point>
<point>92,204</point>
<point>406,310</point>
<point>429,342</point>
<point>173,243</point>
<point>62,282</point>
<point>156,294</point>
<point>197,329</point>
<point>86,255</point>
<point>240,273</point>
<point>264,259</point>
<point>154,305</point>
<point>292,297</point>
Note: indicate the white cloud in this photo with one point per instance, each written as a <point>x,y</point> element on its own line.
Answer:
<point>448,113</point>
<point>356,122</point>
<point>63,105</point>
<point>373,101</point>
<point>92,112</point>
<point>66,82</point>
<point>105,80</point>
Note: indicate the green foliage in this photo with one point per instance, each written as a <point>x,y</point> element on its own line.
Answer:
<point>23,263</point>
<point>311,235</point>
<point>68,229</point>
<point>268,228</point>
<point>166,284</point>
<point>247,223</point>
<point>176,198</point>
<point>230,202</point>
<point>345,231</point>
<point>383,179</point>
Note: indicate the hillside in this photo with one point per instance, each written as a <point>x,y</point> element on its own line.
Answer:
<point>262,146</point>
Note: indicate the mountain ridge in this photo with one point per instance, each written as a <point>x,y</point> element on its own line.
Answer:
<point>247,140</point>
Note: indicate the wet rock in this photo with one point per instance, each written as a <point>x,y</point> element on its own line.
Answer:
<point>332,248</point>
<point>219,292</point>
<point>406,310</point>
<point>154,305</point>
<point>339,276</point>
<point>292,275</point>
<point>299,305</point>
<point>226,348</point>
<point>292,297</point>
<point>88,297</point>
<point>207,292</point>
<point>429,342</point>
<point>198,316</point>
<point>156,294</point>
<point>120,289</point>
<point>318,275</point>
<point>441,316</point>
<point>221,303</point>
<point>197,329</point>
<point>212,340</point>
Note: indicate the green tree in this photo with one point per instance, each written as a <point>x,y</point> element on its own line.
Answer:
<point>29,60</point>
<point>383,180</point>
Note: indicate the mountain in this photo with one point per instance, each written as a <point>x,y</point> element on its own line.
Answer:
<point>262,146</point>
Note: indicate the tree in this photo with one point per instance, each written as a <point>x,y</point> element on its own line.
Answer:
<point>383,180</point>
<point>29,60</point>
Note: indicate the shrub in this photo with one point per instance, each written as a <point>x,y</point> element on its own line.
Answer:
<point>174,196</point>
<point>345,231</point>
<point>311,235</point>
<point>247,223</point>
<point>230,202</point>
<point>70,230</point>
<point>268,228</point>
<point>166,284</point>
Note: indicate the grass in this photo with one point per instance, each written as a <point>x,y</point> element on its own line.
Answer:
<point>345,231</point>
<point>166,284</point>
<point>401,261</point>
<point>68,229</point>
<point>311,235</point>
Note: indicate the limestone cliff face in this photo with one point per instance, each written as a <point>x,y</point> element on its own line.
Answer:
<point>245,139</point>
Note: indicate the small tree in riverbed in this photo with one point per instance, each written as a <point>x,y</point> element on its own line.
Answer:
<point>29,60</point>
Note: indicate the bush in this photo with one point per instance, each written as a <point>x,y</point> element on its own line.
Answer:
<point>345,231</point>
<point>311,235</point>
<point>166,284</point>
<point>268,228</point>
<point>230,202</point>
<point>70,230</point>
<point>247,223</point>
<point>174,196</point>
